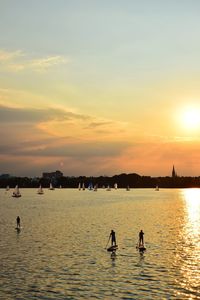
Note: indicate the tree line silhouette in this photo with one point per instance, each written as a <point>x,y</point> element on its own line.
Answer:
<point>123,180</point>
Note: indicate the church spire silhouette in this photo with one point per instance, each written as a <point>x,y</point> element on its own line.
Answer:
<point>174,172</point>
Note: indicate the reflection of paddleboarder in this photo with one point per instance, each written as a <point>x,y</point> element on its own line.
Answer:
<point>113,238</point>
<point>18,222</point>
<point>141,238</point>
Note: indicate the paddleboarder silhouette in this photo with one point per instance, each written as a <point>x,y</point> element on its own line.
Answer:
<point>113,238</point>
<point>141,238</point>
<point>18,221</point>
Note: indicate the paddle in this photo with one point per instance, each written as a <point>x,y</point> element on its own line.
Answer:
<point>138,244</point>
<point>107,242</point>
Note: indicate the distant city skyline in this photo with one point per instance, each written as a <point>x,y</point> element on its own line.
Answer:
<point>99,87</point>
<point>59,174</point>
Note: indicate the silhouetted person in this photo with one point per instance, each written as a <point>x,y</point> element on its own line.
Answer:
<point>141,238</point>
<point>18,222</point>
<point>113,238</point>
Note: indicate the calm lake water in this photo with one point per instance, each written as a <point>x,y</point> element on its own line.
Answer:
<point>60,251</point>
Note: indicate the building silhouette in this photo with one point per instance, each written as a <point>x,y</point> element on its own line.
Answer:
<point>52,175</point>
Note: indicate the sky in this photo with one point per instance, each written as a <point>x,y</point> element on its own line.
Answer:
<point>100,87</point>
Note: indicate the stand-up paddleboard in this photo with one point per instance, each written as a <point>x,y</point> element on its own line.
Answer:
<point>18,228</point>
<point>112,248</point>
<point>141,248</point>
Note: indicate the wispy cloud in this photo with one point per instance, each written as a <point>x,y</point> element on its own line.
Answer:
<point>98,124</point>
<point>59,122</point>
<point>43,139</point>
<point>17,61</point>
<point>47,62</point>
<point>7,56</point>
<point>33,115</point>
<point>63,148</point>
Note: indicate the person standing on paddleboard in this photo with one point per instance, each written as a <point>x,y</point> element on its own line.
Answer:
<point>141,238</point>
<point>18,221</point>
<point>113,238</point>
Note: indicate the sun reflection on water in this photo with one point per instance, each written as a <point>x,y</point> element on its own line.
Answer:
<point>188,252</point>
<point>192,200</point>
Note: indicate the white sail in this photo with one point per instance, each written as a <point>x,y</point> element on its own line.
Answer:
<point>79,186</point>
<point>83,186</point>
<point>90,187</point>
<point>16,192</point>
<point>40,190</point>
<point>51,187</point>
<point>108,188</point>
<point>115,186</point>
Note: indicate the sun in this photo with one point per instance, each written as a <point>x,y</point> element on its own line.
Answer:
<point>191,118</point>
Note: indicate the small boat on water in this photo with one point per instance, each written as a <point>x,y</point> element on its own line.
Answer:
<point>40,190</point>
<point>108,188</point>
<point>83,186</point>
<point>157,188</point>
<point>95,188</point>
<point>90,187</point>
<point>128,188</point>
<point>79,186</point>
<point>51,187</point>
<point>16,192</point>
<point>7,188</point>
<point>115,186</point>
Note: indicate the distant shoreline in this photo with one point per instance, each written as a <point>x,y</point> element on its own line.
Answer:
<point>132,180</point>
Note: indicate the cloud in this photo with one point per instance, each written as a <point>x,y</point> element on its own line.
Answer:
<point>55,132</point>
<point>78,150</point>
<point>99,124</point>
<point>30,115</point>
<point>18,61</point>
<point>47,62</point>
<point>6,56</point>
<point>37,140</point>
<point>51,118</point>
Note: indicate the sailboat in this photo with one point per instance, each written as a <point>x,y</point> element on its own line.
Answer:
<point>90,187</point>
<point>128,188</point>
<point>157,188</point>
<point>7,188</point>
<point>83,186</point>
<point>79,186</point>
<point>95,187</point>
<point>51,187</point>
<point>115,186</point>
<point>108,188</point>
<point>40,190</point>
<point>16,192</point>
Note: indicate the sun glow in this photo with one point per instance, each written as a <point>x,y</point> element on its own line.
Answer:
<point>191,118</point>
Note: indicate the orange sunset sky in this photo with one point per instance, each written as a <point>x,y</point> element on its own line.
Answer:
<point>100,87</point>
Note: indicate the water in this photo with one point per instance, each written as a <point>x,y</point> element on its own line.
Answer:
<point>60,251</point>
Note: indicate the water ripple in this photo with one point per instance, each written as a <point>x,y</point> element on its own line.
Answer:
<point>59,253</point>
